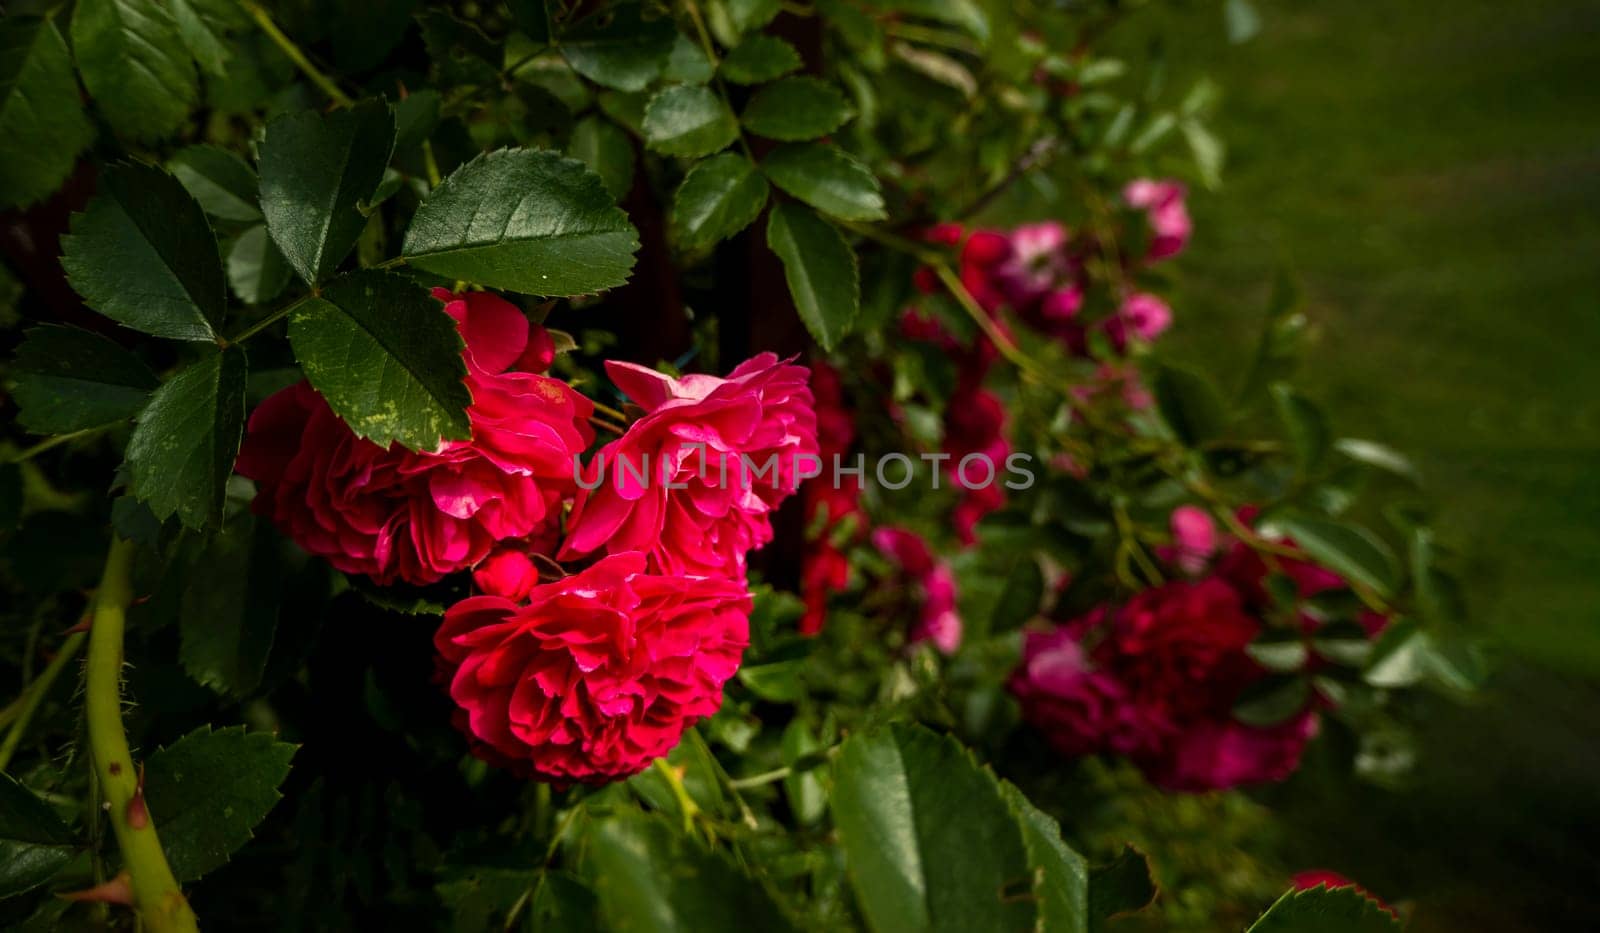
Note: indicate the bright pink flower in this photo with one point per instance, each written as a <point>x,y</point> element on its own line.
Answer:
<point>599,673</point>
<point>541,351</point>
<point>396,514</point>
<point>1062,305</point>
<point>1156,680</point>
<point>937,619</point>
<point>693,482</point>
<point>507,572</point>
<point>906,548</point>
<point>1162,202</point>
<point>1194,537</point>
<point>1035,263</point>
<point>1142,313</point>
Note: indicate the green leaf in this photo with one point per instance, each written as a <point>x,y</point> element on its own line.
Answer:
<point>415,118</point>
<point>229,611</point>
<point>135,65</point>
<point>143,255</point>
<point>777,682</point>
<point>34,843</point>
<point>827,178</point>
<point>718,197</point>
<point>1324,910</point>
<point>1305,424</point>
<point>760,58</point>
<point>315,172</point>
<point>605,148</point>
<point>562,904</point>
<point>480,898</point>
<point>929,838</point>
<point>652,879</point>
<point>1351,551</point>
<point>1189,404</point>
<point>1400,656</point>
<point>1377,455</point>
<point>256,270</point>
<point>687,64</point>
<point>526,220</point>
<point>387,358</point>
<point>618,47</point>
<point>1060,875</point>
<point>1241,19</point>
<point>821,270</point>
<point>42,123</point>
<point>461,53</point>
<point>533,18</point>
<point>203,25</point>
<point>183,448</point>
<point>207,792</point>
<point>1282,336</point>
<point>224,185</point>
<point>1272,700</point>
<point>1121,886</point>
<point>69,380</point>
<point>746,15</point>
<point>688,120</point>
<point>807,799</point>
<point>796,108</point>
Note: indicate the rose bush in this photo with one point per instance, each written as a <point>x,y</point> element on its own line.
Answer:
<point>613,465</point>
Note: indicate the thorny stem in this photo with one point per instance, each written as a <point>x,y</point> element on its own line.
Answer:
<point>610,412</point>
<point>287,45</point>
<point>25,705</point>
<point>161,905</point>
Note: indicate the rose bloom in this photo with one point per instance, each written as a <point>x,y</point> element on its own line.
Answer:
<point>400,515</point>
<point>1162,202</point>
<point>1158,685</point>
<point>937,618</point>
<point>676,485</point>
<point>598,674</point>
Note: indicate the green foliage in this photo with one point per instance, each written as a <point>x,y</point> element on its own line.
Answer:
<point>930,838</point>
<point>1120,886</point>
<point>795,109</point>
<point>604,147</point>
<point>70,380</point>
<point>827,178</point>
<point>220,181</point>
<point>229,612</point>
<point>1321,910</point>
<point>208,790</point>
<point>134,62</point>
<point>651,878</point>
<point>619,47</point>
<point>183,448</point>
<point>524,220</point>
<point>387,358</point>
<point>143,255</point>
<point>257,271</point>
<point>758,59</point>
<point>42,123</point>
<point>316,171</point>
<point>821,271</point>
<point>718,197</point>
<point>685,120</point>
<point>34,843</point>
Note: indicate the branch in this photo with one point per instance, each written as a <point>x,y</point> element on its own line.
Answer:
<point>156,896</point>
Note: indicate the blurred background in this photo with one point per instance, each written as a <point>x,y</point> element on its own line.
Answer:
<point>1429,171</point>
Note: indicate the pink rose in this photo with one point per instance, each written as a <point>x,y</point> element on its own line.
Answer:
<point>1036,262</point>
<point>1194,537</point>
<point>598,674</point>
<point>693,482</point>
<point>1143,314</point>
<point>396,514</point>
<point>508,573</point>
<point>1162,202</point>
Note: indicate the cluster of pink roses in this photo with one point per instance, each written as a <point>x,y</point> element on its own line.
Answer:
<point>1156,679</point>
<point>592,675</point>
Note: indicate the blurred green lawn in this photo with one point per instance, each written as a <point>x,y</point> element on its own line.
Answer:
<point>1430,170</point>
